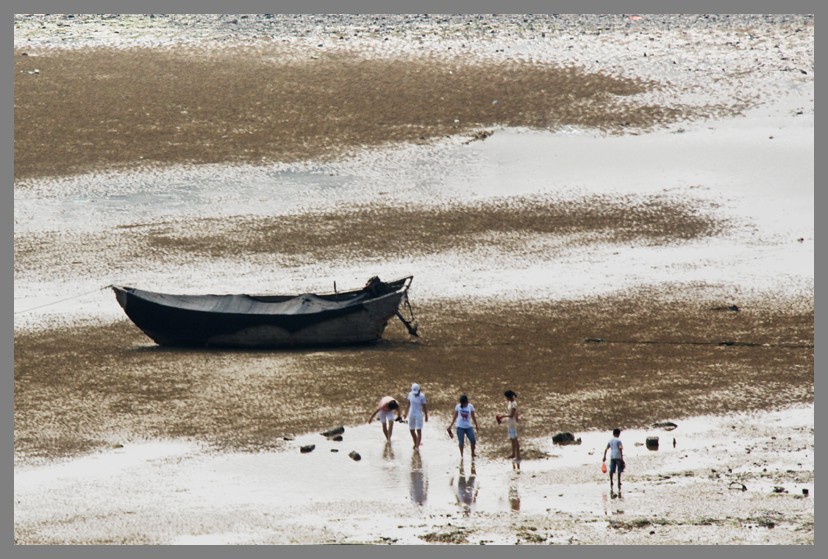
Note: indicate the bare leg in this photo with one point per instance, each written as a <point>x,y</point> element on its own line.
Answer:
<point>386,432</point>
<point>390,428</point>
<point>419,437</point>
<point>414,438</point>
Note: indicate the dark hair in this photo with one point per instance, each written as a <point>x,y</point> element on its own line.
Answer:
<point>464,400</point>
<point>392,405</point>
<point>616,432</point>
<point>510,394</point>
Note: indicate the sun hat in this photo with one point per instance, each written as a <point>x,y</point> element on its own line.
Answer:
<point>415,388</point>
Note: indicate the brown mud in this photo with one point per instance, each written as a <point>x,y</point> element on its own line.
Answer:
<point>627,361</point>
<point>84,110</point>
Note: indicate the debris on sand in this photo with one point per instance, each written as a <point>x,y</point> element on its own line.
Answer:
<point>565,438</point>
<point>307,448</point>
<point>457,536</point>
<point>333,432</point>
<point>737,485</point>
<point>479,136</point>
<point>355,455</point>
<point>666,425</point>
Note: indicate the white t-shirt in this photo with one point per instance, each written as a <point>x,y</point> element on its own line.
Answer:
<point>416,403</point>
<point>512,420</point>
<point>615,447</point>
<point>464,416</point>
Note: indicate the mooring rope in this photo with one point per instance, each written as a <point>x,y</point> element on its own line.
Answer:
<point>63,300</point>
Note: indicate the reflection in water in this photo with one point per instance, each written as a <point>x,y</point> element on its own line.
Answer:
<point>388,451</point>
<point>608,508</point>
<point>466,491</point>
<point>514,498</point>
<point>419,483</point>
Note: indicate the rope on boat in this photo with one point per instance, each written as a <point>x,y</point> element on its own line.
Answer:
<point>63,300</point>
<point>410,325</point>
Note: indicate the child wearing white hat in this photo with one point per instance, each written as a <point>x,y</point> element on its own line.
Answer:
<point>417,412</point>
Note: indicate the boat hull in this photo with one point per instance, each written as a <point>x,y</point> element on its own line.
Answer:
<point>244,321</point>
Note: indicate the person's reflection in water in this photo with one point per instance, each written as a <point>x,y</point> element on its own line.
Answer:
<point>419,483</point>
<point>388,452</point>
<point>514,497</point>
<point>467,489</point>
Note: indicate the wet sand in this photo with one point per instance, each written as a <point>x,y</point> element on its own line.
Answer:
<point>600,292</point>
<point>729,480</point>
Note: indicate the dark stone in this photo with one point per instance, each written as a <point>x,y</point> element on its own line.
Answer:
<point>565,438</point>
<point>666,425</point>
<point>334,431</point>
<point>652,443</point>
<point>336,438</point>
<point>355,455</point>
<point>307,448</point>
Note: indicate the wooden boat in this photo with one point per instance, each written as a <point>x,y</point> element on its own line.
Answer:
<point>262,321</point>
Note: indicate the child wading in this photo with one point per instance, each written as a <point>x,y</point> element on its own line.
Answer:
<point>464,416</point>
<point>416,410</point>
<point>387,408</point>
<point>512,419</point>
<point>616,458</point>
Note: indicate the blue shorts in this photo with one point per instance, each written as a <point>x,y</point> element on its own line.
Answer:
<point>616,464</point>
<point>512,432</point>
<point>463,432</point>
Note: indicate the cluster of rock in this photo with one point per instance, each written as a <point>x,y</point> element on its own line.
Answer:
<point>334,434</point>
